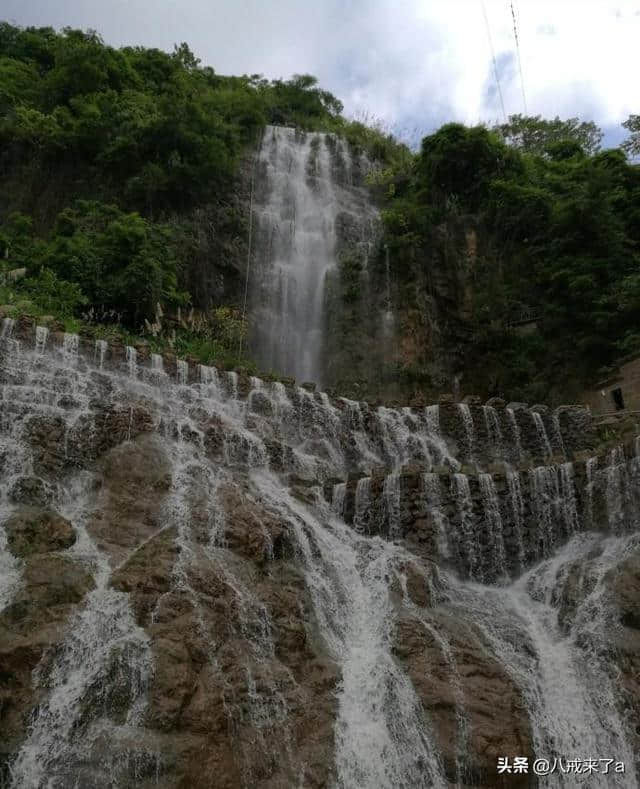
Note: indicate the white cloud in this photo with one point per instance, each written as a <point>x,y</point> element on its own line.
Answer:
<point>413,63</point>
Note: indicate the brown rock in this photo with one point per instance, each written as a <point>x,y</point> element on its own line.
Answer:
<point>497,722</point>
<point>30,628</point>
<point>32,530</point>
<point>146,574</point>
<point>31,491</point>
<point>137,476</point>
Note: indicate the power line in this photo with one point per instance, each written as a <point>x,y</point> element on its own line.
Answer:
<point>515,35</point>
<point>493,57</point>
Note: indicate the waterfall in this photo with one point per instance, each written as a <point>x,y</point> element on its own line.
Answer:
<point>432,415</point>
<point>391,495</point>
<point>557,433</point>
<point>467,423</point>
<point>387,315</point>
<point>515,430</point>
<point>362,514</point>
<point>517,509</point>
<point>157,372</point>
<point>431,490</point>
<point>210,381</point>
<point>182,372</point>
<point>568,497</point>
<point>337,498</point>
<point>7,328</point>
<point>42,334</point>
<point>70,345</point>
<point>191,597</point>
<point>299,206</point>
<point>545,496</point>
<point>494,431</point>
<point>468,537</point>
<point>590,470</point>
<point>571,693</point>
<point>543,438</point>
<point>232,385</point>
<point>377,744</point>
<point>493,519</point>
<point>100,353</point>
<point>616,490</point>
<point>131,358</point>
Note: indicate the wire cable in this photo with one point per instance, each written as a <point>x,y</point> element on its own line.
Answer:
<point>515,35</point>
<point>493,57</point>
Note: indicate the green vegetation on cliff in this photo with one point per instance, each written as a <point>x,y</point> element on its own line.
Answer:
<point>119,177</point>
<point>550,232</point>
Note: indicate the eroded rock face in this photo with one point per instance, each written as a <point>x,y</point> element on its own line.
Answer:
<point>31,628</point>
<point>31,491</point>
<point>474,707</point>
<point>33,530</point>
<point>136,476</point>
<point>237,682</point>
<point>624,585</point>
<point>177,575</point>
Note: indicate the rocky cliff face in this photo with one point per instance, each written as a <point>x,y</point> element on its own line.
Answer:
<point>207,580</point>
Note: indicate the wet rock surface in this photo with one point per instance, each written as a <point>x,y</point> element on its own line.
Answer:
<point>279,590</point>
<point>31,530</point>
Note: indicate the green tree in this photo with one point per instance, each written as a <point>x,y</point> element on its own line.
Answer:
<point>533,134</point>
<point>460,162</point>
<point>632,144</point>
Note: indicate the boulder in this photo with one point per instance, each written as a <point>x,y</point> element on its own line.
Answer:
<point>32,530</point>
<point>31,491</point>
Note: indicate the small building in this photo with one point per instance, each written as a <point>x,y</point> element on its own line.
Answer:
<point>620,391</point>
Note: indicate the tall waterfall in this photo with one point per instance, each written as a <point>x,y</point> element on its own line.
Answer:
<point>210,579</point>
<point>307,206</point>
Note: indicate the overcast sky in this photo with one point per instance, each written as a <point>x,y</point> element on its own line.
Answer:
<point>414,64</point>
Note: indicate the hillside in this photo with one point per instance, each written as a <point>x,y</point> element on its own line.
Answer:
<point>126,183</point>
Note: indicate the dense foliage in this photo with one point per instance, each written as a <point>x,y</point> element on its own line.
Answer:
<point>558,233</point>
<point>533,135</point>
<point>111,161</point>
<point>117,188</point>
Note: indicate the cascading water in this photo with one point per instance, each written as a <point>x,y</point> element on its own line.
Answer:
<point>518,511</point>
<point>7,328</point>
<point>516,436</point>
<point>494,431</point>
<point>42,335</point>
<point>468,539</point>
<point>545,495</point>
<point>391,494</point>
<point>182,371</point>
<point>493,519</point>
<point>300,200</point>
<point>362,504</point>
<point>590,470</point>
<point>210,598</point>
<point>131,361</point>
<point>100,353</point>
<point>337,499</point>
<point>545,444</point>
<point>568,497</point>
<point>70,345</point>
<point>469,430</point>
<point>616,490</point>
<point>570,694</point>
<point>431,483</point>
<point>382,738</point>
